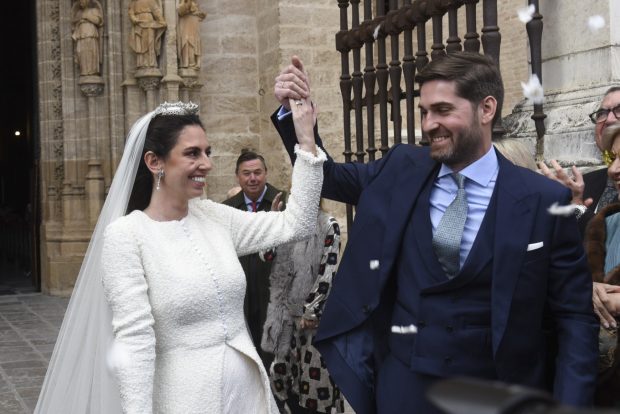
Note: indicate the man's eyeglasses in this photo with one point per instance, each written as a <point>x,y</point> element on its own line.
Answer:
<point>608,157</point>
<point>601,115</point>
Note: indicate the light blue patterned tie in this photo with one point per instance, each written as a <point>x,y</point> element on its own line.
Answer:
<point>449,232</point>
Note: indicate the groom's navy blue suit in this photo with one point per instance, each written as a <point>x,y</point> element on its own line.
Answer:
<point>525,273</point>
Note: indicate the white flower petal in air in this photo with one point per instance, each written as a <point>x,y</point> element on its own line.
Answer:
<point>596,22</point>
<point>533,90</point>
<point>374,264</point>
<point>526,13</point>
<point>375,34</point>
<point>118,357</point>
<point>557,210</point>
<point>404,330</point>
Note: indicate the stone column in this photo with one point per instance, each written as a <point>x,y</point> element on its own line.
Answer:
<point>171,81</point>
<point>149,80</point>
<point>579,65</point>
<point>190,89</point>
<point>91,87</point>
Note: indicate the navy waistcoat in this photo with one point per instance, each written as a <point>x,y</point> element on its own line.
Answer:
<point>453,316</point>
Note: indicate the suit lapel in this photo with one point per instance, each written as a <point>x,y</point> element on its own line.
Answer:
<point>270,194</point>
<point>516,208</point>
<point>423,235</point>
<point>481,252</point>
<point>238,201</point>
<point>410,182</point>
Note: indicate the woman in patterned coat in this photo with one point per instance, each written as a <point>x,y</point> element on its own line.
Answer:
<point>300,281</point>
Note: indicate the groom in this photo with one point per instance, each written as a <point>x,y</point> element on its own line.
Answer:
<point>453,266</point>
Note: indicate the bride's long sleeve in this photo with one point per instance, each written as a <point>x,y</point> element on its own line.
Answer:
<point>126,291</point>
<point>259,231</point>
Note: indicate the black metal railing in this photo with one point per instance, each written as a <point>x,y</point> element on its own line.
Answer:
<point>378,84</point>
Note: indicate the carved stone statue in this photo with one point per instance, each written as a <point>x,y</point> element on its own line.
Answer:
<point>188,37</point>
<point>87,17</point>
<point>148,26</point>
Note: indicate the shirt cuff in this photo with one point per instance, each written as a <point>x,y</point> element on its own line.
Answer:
<point>309,157</point>
<point>283,113</point>
<point>580,209</point>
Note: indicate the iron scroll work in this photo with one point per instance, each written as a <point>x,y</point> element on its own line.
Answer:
<point>369,92</point>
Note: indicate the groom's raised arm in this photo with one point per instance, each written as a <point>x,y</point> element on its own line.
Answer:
<point>342,182</point>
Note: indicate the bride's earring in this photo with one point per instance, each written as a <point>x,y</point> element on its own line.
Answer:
<point>160,174</point>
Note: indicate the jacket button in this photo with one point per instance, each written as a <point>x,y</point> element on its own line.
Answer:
<point>447,360</point>
<point>366,309</point>
<point>449,328</point>
<point>421,324</point>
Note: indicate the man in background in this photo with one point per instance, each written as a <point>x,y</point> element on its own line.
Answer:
<point>255,195</point>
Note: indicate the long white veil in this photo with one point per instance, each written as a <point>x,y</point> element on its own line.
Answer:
<point>77,379</point>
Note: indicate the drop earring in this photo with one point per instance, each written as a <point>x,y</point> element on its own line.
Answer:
<point>160,174</point>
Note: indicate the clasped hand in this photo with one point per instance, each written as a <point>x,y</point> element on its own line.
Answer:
<point>606,300</point>
<point>292,90</point>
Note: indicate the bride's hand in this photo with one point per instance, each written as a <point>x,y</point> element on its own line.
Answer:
<point>304,118</point>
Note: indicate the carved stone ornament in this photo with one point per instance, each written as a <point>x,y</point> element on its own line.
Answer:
<point>91,85</point>
<point>149,83</point>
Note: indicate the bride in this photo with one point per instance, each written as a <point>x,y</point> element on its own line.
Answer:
<point>161,283</point>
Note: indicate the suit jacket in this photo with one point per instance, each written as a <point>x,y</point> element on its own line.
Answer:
<point>595,182</point>
<point>257,277</point>
<point>526,285</point>
<point>238,201</point>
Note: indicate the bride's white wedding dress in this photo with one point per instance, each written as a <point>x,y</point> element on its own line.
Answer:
<point>176,291</point>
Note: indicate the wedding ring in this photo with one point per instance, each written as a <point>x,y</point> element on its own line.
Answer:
<point>298,102</point>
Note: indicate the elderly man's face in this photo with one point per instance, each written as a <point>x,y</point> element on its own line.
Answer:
<point>252,177</point>
<point>610,101</point>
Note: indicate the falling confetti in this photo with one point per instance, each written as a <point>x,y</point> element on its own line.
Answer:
<point>533,90</point>
<point>596,23</point>
<point>557,210</point>
<point>375,34</point>
<point>411,329</point>
<point>526,13</point>
<point>374,264</point>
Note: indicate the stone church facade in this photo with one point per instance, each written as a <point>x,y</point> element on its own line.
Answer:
<point>85,114</point>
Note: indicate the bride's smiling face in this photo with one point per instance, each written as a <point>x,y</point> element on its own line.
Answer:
<point>187,164</point>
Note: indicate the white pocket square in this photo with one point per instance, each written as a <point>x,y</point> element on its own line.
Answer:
<point>534,246</point>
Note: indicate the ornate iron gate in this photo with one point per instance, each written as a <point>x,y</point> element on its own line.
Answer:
<point>379,83</point>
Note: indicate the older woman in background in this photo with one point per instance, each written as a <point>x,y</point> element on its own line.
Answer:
<point>602,243</point>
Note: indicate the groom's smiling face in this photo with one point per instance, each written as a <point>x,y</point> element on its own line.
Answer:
<point>451,123</point>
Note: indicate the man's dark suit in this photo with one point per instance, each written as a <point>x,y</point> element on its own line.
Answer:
<point>486,322</point>
<point>595,183</point>
<point>257,277</point>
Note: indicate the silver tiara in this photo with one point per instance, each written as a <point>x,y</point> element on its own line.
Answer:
<point>177,108</point>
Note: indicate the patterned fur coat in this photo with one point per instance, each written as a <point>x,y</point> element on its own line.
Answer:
<point>292,280</point>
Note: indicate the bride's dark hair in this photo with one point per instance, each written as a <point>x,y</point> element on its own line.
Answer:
<point>161,136</point>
